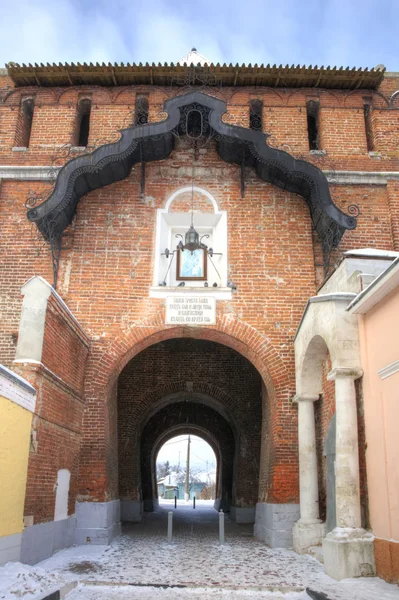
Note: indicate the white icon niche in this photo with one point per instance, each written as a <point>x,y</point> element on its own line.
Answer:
<point>187,206</point>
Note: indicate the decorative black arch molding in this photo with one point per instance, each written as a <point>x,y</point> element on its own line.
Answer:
<point>197,115</point>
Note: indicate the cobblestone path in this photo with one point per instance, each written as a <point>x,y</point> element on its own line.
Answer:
<point>142,564</point>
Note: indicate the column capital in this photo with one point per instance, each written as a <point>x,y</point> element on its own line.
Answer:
<point>342,372</point>
<point>305,398</point>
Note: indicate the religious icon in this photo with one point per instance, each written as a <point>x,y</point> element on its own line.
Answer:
<point>191,265</point>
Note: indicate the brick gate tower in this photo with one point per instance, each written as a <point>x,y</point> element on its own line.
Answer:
<point>169,227</point>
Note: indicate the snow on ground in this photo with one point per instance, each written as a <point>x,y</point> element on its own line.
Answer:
<point>21,581</point>
<point>141,561</point>
<point>151,593</point>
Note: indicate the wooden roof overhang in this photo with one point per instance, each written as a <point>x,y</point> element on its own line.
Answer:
<point>155,141</point>
<point>110,75</point>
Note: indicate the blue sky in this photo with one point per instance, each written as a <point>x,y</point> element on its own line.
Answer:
<point>323,32</point>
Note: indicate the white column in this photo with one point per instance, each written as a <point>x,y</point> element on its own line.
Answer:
<point>309,530</point>
<point>308,480</point>
<point>348,549</point>
<point>347,450</point>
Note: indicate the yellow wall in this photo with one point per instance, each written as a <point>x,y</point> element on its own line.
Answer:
<point>15,425</point>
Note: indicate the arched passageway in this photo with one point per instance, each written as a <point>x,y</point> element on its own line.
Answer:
<point>195,386</point>
<point>231,368</point>
<point>188,417</point>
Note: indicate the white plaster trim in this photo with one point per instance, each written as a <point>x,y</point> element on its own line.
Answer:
<point>376,291</point>
<point>372,253</point>
<point>361,177</point>
<point>30,173</point>
<point>389,370</point>
<point>352,372</point>
<point>340,296</point>
<point>53,292</point>
<point>38,173</point>
<point>164,292</point>
<point>305,398</point>
<point>188,189</point>
<point>50,375</point>
<point>17,390</point>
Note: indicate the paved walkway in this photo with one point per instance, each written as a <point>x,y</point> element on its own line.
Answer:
<point>142,564</point>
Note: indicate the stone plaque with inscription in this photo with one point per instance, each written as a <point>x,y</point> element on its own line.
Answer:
<point>190,310</point>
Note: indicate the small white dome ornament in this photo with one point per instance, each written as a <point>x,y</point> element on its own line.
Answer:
<point>194,58</point>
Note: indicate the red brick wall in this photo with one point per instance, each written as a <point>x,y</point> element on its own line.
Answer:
<point>107,260</point>
<point>387,560</point>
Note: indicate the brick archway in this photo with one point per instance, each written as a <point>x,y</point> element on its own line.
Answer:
<point>278,480</point>
<point>228,331</point>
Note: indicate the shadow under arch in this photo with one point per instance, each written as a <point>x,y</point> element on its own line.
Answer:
<point>210,396</point>
<point>312,365</point>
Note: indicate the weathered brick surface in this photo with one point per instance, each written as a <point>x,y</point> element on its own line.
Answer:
<point>387,559</point>
<point>107,260</point>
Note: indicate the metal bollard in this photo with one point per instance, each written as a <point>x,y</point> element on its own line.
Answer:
<point>221,528</point>
<point>170,525</point>
<point>193,501</point>
<point>175,501</point>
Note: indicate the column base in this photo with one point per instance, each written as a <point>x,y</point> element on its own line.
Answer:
<point>274,523</point>
<point>306,535</point>
<point>97,522</point>
<point>349,553</point>
<point>242,515</point>
<point>131,511</point>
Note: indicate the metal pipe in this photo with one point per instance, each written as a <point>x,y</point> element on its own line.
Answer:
<point>221,528</point>
<point>193,501</point>
<point>175,501</point>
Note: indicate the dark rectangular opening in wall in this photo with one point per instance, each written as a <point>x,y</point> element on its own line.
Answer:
<point>141,109</point>
<point>84,122</point>
<point>255,115</point>
<point>367,108</point>
<point>312,112</point>
<point>27,109</point>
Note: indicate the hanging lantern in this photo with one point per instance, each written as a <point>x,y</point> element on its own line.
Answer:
<point>191,239</point>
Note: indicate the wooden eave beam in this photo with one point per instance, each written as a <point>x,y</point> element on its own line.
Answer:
<point>166,75</point>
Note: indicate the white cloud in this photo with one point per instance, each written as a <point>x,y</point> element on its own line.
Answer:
<point>361,33</point>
